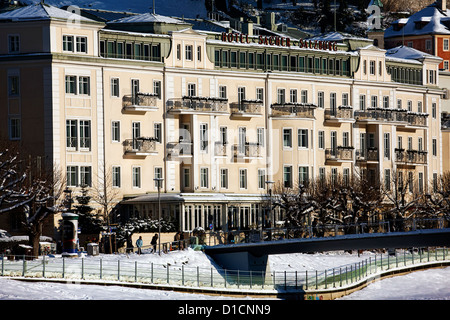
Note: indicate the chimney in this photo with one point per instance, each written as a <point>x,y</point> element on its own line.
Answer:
<point>248,28</point>
<point>442,4</point>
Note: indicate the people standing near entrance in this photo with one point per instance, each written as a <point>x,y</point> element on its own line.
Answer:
<point>154,241</point>
<point>139,244</point>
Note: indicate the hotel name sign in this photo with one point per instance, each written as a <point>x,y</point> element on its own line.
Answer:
<point>279,41</point>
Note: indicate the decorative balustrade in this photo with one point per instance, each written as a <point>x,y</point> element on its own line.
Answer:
<point>140,146</point>
<point>140,102</point>
<point>198,104</point>
<point>299,110</point>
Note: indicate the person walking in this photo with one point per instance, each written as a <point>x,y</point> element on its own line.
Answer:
<point>154,241</point>
<point>139,244</point>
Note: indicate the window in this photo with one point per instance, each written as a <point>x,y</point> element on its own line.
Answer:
<point>345,139</point>
<point>224,178</point>
<point>434,146</point>
<point>287,138</point>
<point>420,182</point>
<point>115,131</point>
<point>188,52</point>
<point>186,177</point>
<point>302,138</point>
<point>387,144</point>
<point>260,136</point>
<point>304,98</point>
<point>223,135</point>
<point>303,175</point>
<point>13,85</point>
<point>223,92</point>
<point>410,182</point>
<point>157,131</point>
<point>261,178</point>
<point>85,134</point>
<point>321,99</point>
<point>346,176</point>
<point>204,179</point>
<point>157,88</point>
<point>409,104</point>
<point>387,179</point>
<point>71,84</point>
<point>433,110</point>
<point>71,134</point>
<point>380,68</point>
<point>420,143</point>
<point>14,128</point>
<point>428,45</point>
<point>136,177</point>
<point>281,96</point>
<point>345,99</point>
<point>243,178</point>
<point>115,92</point>
<point>178,51</point>
<point>83,85</point>
<point>372,67</point>
<point>116,177</point>
<point>362,102</point>
<point>321,139</point>
<point>445,45</point>
<point>419,106</point>
<point>72,176</point>
<point>13,44</point>
<point>365,66</point>
<point>86,176</point>
<point>191,90</point>
<point>287,176</point>
<point>260,94</point>
<point>333,103</point>
<point>82,44</point>
<point>293,95</point>
<point>374,101</point>
<point>199,53</point>
<point>322,174</point>
<point>241,94</point>
<point>158,175</point>
<point>68,44</point>
<point>386,102</point>
<point>204,137</point>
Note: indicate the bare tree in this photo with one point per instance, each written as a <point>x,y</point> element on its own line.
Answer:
<point>31,189</point>
<point>400,198</point>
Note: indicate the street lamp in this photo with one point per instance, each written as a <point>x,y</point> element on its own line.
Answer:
<point>159,181</point>
<point>269,188</point>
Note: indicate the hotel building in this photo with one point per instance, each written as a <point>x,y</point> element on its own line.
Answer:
<point>217,113</point>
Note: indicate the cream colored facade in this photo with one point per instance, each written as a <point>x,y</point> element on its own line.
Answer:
<point>217,120</point>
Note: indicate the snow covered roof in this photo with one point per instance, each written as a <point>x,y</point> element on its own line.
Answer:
<point>148,18</point>
<point>430,20</point>
<point>337,36</point>
<point>408,53</point>
<point>41,11</point>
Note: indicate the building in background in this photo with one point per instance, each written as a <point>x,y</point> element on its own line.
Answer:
<point>218,113</point>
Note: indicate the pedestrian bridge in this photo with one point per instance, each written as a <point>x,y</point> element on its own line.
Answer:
<point>254,256</point>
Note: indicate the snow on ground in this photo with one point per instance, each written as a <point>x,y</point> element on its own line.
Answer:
<point>431,284</point>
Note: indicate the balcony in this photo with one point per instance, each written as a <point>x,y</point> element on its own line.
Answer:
<point>248,151</point>
<point>367,155</point>
<point>398,116</point>
<point>339,154</point>
<point>140,102</point>
<point>417,119</point>
<point>410,157</point>
<point>220,149</point>
<point>140,147</point>
<point>246,109</point>
<point>293,110</point>
<point>190,105</point>
<point>182,149</point>
<point>341,114</point>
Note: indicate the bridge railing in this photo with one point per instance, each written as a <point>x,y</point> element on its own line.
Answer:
<point>319,231</point>
<point>182,275</point>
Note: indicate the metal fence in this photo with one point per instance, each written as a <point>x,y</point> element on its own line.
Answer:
<point>96,268</point>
